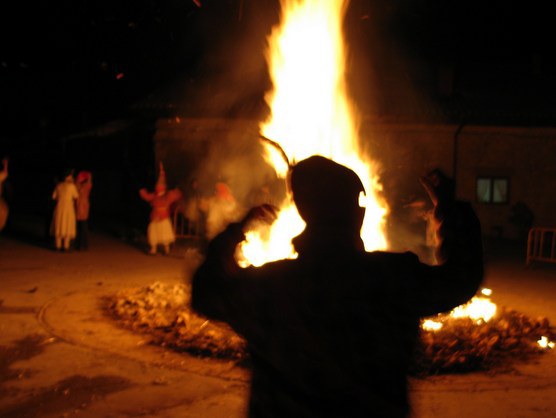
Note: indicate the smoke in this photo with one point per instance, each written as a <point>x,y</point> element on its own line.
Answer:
<point>233,177</point>
<point>412,228</point>
<point>390,77</point>
<point>229,86</point>
<point>231,76</point>
<point>192,260</point>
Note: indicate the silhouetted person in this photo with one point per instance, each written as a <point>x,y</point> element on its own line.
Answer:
<point>84,185</point>
<point>332,333</point>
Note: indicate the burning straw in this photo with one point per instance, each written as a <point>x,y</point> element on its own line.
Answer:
<point>449,343</point>
<point>464,344</point>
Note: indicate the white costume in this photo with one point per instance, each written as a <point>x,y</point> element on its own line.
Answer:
<point>63,220</point>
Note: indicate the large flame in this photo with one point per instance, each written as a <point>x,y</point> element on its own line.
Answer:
<point>311,114</point>
<point>479,309</point>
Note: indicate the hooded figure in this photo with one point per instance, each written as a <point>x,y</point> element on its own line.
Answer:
<point>160,230</point>
<point>332,332</point>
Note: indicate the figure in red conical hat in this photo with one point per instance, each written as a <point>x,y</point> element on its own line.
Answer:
<point>160,230</point>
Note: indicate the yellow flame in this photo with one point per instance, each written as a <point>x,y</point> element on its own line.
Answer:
<point>274,243</point>
<point>430,325</point>
<point>544,342</point>
<point>486,291</point>
<point>311,114</point>
<point>478,309</point>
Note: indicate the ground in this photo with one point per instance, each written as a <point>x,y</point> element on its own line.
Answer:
<point>61,356</point>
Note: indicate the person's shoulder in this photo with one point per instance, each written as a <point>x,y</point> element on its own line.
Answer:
<point>277,265</point>
<point>272,271</point>
<point>391,257</point>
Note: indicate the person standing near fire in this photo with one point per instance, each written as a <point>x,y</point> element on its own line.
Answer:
<point>63,220</point>
<point>84,185</point>
<point>4,209</point>
<point>222,208</point>
<point>332,333</point>
<point>160,231</point>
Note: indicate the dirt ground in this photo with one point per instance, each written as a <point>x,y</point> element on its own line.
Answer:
<point>61,356</point>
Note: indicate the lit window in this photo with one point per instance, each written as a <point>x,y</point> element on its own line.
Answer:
<point>492,190</point>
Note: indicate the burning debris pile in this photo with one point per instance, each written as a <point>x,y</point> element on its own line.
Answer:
<point>464,344</point>
<point>162,311</point>
<point>457,342</point>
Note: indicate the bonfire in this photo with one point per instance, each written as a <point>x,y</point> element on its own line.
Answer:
<point>311,113</point>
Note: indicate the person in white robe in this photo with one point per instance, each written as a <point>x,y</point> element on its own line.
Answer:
<point>63,226</point>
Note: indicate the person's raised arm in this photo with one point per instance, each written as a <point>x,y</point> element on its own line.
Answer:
<point>213,280</point>
<point>459,252</point>
<point>145,195</point>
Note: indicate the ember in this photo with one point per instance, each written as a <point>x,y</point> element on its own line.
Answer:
<point>449,343</point>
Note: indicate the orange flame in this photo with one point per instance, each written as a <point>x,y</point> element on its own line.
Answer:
<point>480,309</point>
<point>312,115</point>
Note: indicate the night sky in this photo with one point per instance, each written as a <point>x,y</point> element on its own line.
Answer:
<point>68,65</point>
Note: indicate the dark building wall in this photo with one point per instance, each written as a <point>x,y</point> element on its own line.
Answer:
<point>526,157</point>
<point>522,155</point>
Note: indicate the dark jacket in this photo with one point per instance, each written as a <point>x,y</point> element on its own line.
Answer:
<point>332,332</point>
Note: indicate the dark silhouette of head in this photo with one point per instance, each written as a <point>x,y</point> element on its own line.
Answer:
<point>327,194</point>
<point>68,174</point>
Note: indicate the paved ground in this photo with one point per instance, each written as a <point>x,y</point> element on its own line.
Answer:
<point>61,357</point>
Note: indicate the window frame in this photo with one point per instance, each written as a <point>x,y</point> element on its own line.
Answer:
<point>492,180</point>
